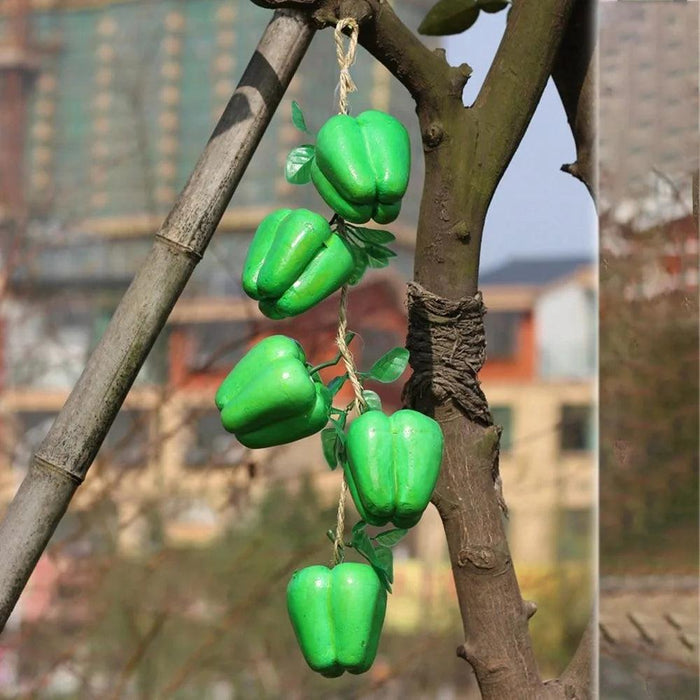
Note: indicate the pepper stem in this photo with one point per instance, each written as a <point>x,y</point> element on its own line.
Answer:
<point>323,365</point>
<point>348,339</point>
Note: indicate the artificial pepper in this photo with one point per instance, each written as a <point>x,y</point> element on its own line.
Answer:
<point>361,166</point>
<point>270,398</point>
<point>392,465</point>
<point>337,616</point>
<point>294,262</point>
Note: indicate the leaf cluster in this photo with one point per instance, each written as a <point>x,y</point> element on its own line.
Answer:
<point>297,169</point>
<point>376,550</point>
<point>456,16</point>
<point>368,246</point>
<point>388,368</point>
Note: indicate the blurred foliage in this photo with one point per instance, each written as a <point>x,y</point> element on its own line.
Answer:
<point>564,598</point>
<point>648,415</point>
<point>210,621</point>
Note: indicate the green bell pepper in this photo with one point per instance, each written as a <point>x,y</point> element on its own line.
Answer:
<point>337,616</point>
<point>294,262</point>
<point>269,398</point>
<point>392,465</point>
<point>361,166</point>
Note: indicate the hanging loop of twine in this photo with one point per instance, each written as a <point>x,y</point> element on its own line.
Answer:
<point>359,404</point>
<point>346,84</point>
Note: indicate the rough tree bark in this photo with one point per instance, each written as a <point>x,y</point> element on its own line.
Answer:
<point>65,455</point>
<point>575,75</point>
<point>466,153</point>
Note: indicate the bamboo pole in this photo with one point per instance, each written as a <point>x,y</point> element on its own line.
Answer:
<point>64,457</point>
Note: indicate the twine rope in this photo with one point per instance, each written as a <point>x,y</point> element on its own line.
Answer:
<point>340,524</point>
<point>345,352</point>
<point>359,403</point>
<point>346,85</point>
<point>345,60</point>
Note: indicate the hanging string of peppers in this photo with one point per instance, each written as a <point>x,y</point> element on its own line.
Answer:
<point>273,396</point>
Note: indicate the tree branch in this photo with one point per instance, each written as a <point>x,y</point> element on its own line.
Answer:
<point>575,78</point>
<point>579,673</point>
<point>424,73</point>
<point>515,82</point>
<point>66,453</point>
<point>576,683</point>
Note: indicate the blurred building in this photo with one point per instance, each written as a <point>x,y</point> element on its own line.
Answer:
<point>539,378</point>
<point>114,104</point>
<point>648,95</point>
<point>106,106</point>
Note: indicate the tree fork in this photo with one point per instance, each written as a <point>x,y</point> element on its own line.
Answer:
<point>65,455</point>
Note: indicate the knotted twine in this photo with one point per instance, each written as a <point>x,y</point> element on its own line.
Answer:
<point>447,345</point>
<point>346,59</point>
<point>345,86</point>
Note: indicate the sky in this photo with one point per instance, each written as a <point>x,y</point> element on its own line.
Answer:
<point>537,211</point>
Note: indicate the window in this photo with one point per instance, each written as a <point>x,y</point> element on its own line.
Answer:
<point>501,334</point>
<point>374,343</point>
<point>126,444</point>
<point>574,534</point>
<point>576,428</point>
<point>210,444</point>
<point>217,346</point>
<point>503,416</point>
<point>32,428</point>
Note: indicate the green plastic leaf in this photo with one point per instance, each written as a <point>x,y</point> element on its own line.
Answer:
<point>297,169</point>
<point>449,17</point>
<point>349,336</point>
<point>385,561</point>
<point>329,439</point>
<point>339,423</point>
<point>374,403</point>
<point>391,537</point>
<point>374,235</point>
<point>379,251</point>
<point>336,384</point>
<point>377,263</point>
<point>493,5</point>
<point>390,366</point>
<point>361,263</point>
<point>341,452</point>
<point>362,544</point>
<point>384,580</point>
<point>384,566</point>
<point>298,118</point>
<point>359,526</point>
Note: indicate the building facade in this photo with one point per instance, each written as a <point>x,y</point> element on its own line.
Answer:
<point>119,100</point>
<point>539,378</point>
<point>648,106</point>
